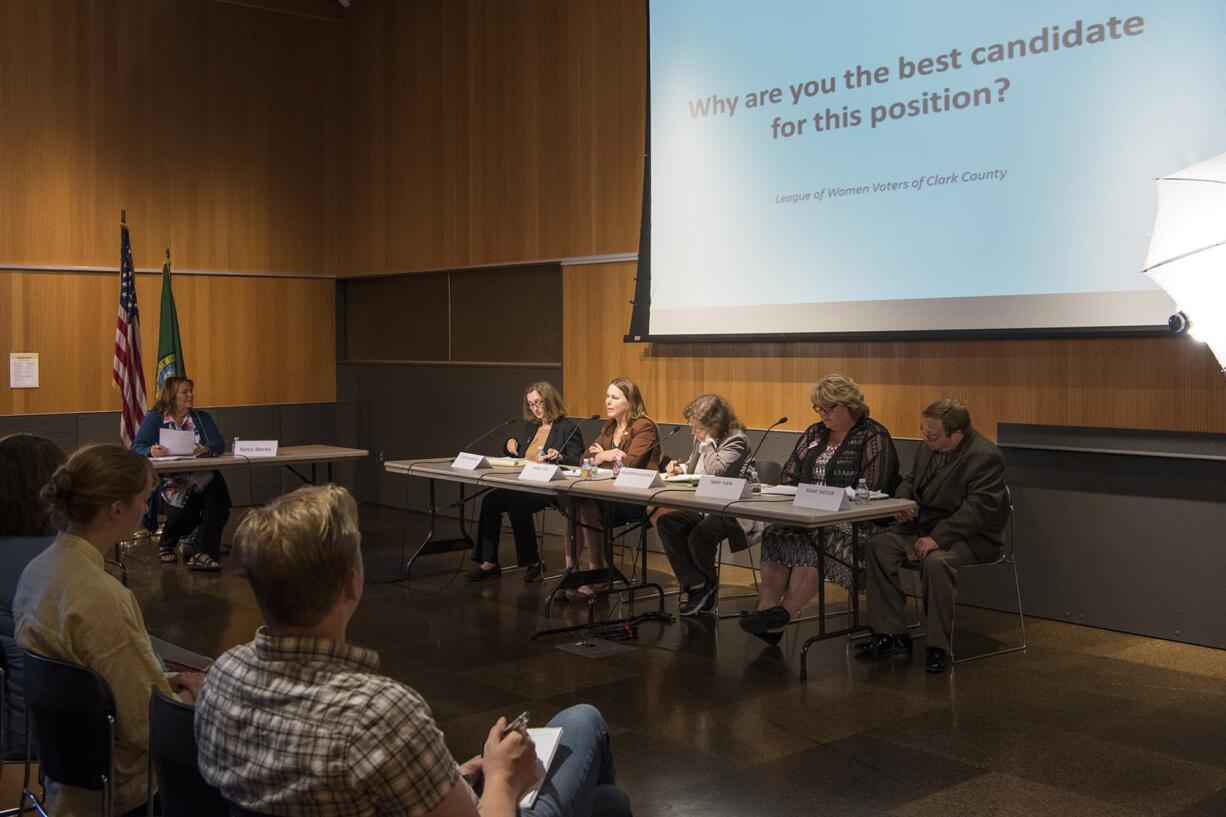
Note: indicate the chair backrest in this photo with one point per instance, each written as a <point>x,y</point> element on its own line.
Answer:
<point>172,751</point>
<point>71,716</point>
<point>239,811</point>
<point>769,472</point>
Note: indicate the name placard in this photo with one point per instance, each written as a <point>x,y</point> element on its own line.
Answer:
<point>821,498</point>
<point>713,487</point>
<point>540,472</point>
<point>255,448</point>
<point>641,478</point>
<point>469,462</point>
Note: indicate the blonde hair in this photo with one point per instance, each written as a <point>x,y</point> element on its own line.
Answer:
<point>166,395</point>
<point>94,477</point>
<point>298,551</point>
<point>839,390</point>
<point>633,396</point>
<point>555,409</point>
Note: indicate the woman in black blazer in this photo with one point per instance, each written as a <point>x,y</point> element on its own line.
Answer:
<point>548,436</point>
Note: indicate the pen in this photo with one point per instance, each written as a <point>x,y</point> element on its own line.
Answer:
<point>518,723</point>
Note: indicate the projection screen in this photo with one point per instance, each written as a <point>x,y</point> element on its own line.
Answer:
<point>905,168</point>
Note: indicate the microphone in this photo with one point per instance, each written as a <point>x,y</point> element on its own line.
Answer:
<point>503,424</point>
<point>754,456</point>
<point>573,432</point>
<point>660,442</point>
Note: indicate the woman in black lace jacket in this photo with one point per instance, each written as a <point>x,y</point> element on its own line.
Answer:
<point>845,447</point>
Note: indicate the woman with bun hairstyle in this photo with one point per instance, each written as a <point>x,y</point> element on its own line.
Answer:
<point>197,501</point>
<point>69,608</point>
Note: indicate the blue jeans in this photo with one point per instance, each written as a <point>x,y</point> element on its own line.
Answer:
<point>580,779</point>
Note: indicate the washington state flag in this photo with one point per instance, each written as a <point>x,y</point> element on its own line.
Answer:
<point>170,345</point>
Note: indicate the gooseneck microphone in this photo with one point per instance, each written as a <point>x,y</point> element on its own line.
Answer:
<point>573,432</point>
<point>503,424</point>
<point>660,442</point>
<point>754,457</point>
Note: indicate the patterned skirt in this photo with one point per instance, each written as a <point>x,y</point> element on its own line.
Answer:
<point>798,547</point>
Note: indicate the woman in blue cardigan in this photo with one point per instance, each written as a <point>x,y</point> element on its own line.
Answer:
<point>198,500</point>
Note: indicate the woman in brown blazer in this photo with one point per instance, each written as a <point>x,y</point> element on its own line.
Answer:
<point>631,438</point>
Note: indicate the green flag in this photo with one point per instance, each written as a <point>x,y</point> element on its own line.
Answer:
<point>170,345</point>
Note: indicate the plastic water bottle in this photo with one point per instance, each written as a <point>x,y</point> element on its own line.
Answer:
<point>617,467</point>
<point>234,447</point>
<point>586,468</point>
<point>751,477</point>
<point>862,492</point>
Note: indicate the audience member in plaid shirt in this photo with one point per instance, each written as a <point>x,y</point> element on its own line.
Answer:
<point>298,722</point>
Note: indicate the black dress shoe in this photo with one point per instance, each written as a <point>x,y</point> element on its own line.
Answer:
<point>760,621</point>
<point>770,638</point>
<point>937,660</point>
<point>533,573</point>
<point>882,643</point>
<point>481,574</point>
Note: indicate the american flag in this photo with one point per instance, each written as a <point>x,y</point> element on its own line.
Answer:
<point>127,371</point>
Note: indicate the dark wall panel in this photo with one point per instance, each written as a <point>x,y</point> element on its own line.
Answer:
<point>400,318</point>
<point>507,314</point>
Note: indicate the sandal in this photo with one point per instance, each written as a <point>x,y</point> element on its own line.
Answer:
<point>167,557</point>
<point>204,563</point>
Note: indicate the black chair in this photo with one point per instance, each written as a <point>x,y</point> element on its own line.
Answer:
<point>239,811</point>
<point>172,756</point>
<point>4,726</point>
<point>70,719</point>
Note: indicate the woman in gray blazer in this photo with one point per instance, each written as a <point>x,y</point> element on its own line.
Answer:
<point>691,538</point>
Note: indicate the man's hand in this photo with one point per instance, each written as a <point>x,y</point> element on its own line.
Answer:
<point>925,545</point>
<point>905,516</point>
<point>187,685</point>
<point>471,768</point>
<point>674,467</point>
<point>510,759</point>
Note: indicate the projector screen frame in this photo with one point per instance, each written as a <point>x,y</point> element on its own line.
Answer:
<point>639,330</point>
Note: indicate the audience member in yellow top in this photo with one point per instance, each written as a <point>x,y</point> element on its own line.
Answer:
<point>69,608</point>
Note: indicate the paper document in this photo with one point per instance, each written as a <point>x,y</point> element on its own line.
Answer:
<point>546,739</point>
<point>506,462</point>
<point>177,443</point>
<point>691,478</point>
<point>778,490</point>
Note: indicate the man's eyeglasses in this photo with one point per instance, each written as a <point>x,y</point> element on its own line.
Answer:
<point>931,437</point>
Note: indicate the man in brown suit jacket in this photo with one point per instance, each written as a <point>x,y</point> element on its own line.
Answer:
<point>958,482</point>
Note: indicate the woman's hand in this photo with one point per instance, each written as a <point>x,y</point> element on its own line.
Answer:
<point>513,447</point>
<point>510,759</point>
<point>552,455</point>
<point>674,468</point>
<point>200,451</point>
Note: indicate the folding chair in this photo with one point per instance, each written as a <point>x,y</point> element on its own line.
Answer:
<point>1007,557</point>
<point>70,717</point>
<point>172,758</point>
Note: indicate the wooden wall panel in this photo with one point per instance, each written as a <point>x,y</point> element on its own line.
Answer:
<point>1147,383</point>
<point>212,123</point>
<point>247,340</point>
<point>486,133</point>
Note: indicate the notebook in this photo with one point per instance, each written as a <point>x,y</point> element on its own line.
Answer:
<point>546,739</point>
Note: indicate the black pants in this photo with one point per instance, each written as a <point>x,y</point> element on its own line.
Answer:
<point>206,511</point>
<point>690,542</point>
<point>519,506</point>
